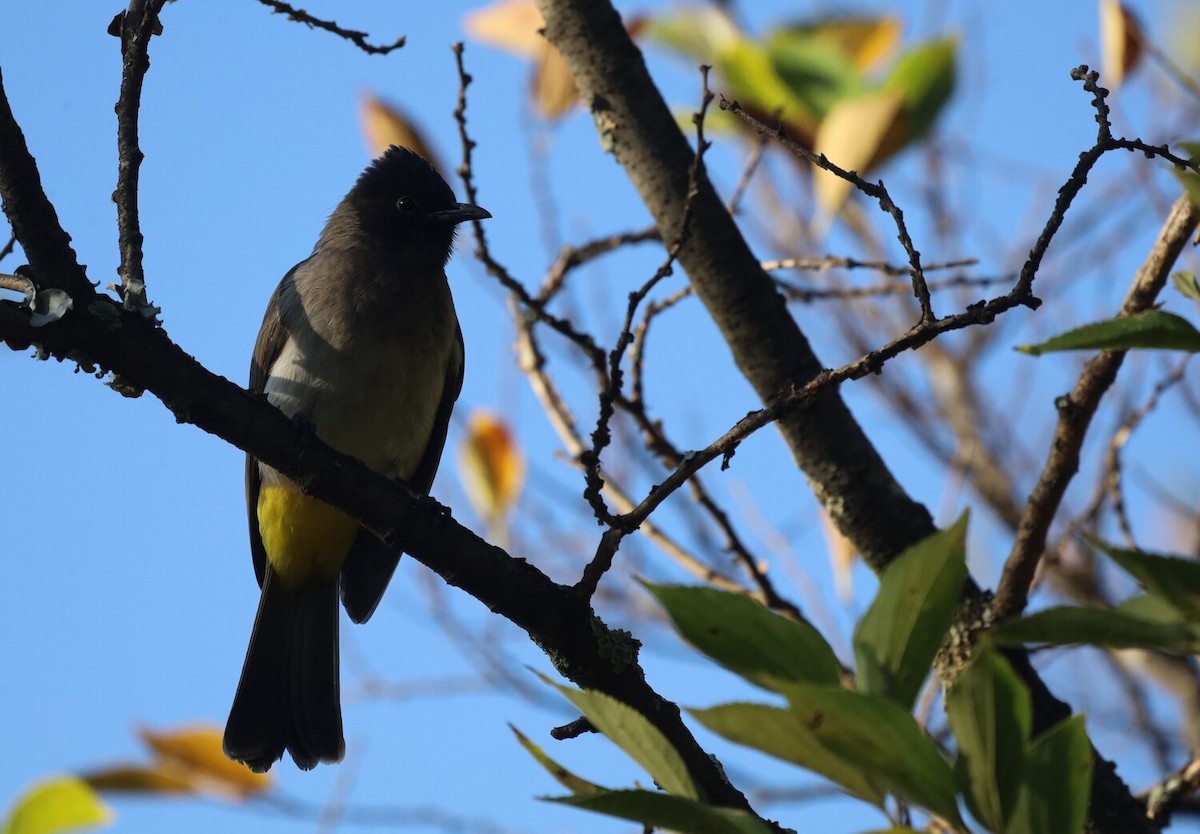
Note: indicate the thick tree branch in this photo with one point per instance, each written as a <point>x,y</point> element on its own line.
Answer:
<point>99,331</point>
<point>558,620</point>
<point>33,219</point>
<point>846,472</point>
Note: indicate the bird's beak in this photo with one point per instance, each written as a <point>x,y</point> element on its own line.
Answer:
<point>460,213</point>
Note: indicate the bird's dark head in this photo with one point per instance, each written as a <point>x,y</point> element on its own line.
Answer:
<point>402,202</point>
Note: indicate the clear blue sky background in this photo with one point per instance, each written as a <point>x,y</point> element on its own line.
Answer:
<point>128,596</point>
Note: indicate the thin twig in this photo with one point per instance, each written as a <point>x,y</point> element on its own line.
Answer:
<point>135,28</point>
<point>834,262</point>
<point>532,363</point>
<point>357,38</point>
<point>17,283</point>
<point>877,190</point>
<point>748,170</point>
<point>637,352</point>
<point>1120,438</point>
<point>574,256</point>
<point>497,270</point>
<point>575,729</point>
<point>1170,795</point>
<point>807,294</point>
<point>601,436</point>
<point>8,247</point>
<point>1075,412</point>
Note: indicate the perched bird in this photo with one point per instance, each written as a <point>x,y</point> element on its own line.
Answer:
<point>362,342</point>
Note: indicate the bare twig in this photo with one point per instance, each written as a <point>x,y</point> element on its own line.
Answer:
<point>601,436</point>
<point>834,262</point>
<point>573,256</point>
<point>1075,411</point>
<point>8,248</point>
<point>532,364</point>
<point>807,294</point>
<point>16,283</point>
<point>1170,795</point>
<point>575,729</point>
<point>357,38</point>
<point>1112,481</point>
<point>743,183</point>
<point>135,28</point>
<point>497,270</point>
<point>877,190</point>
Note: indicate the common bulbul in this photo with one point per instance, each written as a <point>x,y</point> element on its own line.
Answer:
<point>361,342</point>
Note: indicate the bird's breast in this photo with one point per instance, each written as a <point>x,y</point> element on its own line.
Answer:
<point>375,399</point>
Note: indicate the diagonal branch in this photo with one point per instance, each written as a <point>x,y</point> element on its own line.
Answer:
<point>34,221</point>
<point>557,619</point>
<point>1075,412</point>
<point>844,469</point>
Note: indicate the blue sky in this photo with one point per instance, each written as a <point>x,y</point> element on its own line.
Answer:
<point>129,596</point>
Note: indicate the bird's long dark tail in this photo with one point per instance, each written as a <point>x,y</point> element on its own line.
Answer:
<point>288,695</point>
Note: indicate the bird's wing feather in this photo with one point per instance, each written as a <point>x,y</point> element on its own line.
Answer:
<point>272,336</point>
<point>371,563</point>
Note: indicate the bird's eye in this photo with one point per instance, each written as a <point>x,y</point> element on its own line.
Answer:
<point>406,205</point>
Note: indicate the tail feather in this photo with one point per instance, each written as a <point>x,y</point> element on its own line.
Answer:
<point>288,695</point>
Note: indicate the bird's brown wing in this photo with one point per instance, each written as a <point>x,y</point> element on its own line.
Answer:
<point>371,563</point>
<point>272,336</point>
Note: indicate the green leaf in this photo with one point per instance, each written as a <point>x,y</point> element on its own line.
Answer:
<point>1150,607</point>
<point>1110,628</point>
<point>1057,781</point>
<point>925,76</point>
<point>747,638</point>
<point>816,72</point>
<point>1173,578</point>
<point>782,733</point>
<point>752,77</point>
<point>880,738</point>
<point>632,732</point>
<point>672,813</point>
<point>575,784</point>
<point>990,712</point>
<point>1185,282</point>
<point>1151,329</point>
<point>897,638</point>
<point>63,803</point>
<point>1190,180</point>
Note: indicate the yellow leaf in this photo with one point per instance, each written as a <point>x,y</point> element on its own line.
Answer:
<point>554,90</point>
<point>856,135</point>
<point>62,803</point>
<point>491,466</point>
<point>196,754</point>
<point>139,779</point>
<point>512,25</point>
<point>1120,42</point>
<point>383,126</point>
<point>866,40</point>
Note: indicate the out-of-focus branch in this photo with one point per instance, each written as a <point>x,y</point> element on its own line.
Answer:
<point>1075,412</point>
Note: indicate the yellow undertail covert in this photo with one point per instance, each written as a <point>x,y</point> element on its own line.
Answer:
<point>305,539</point>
